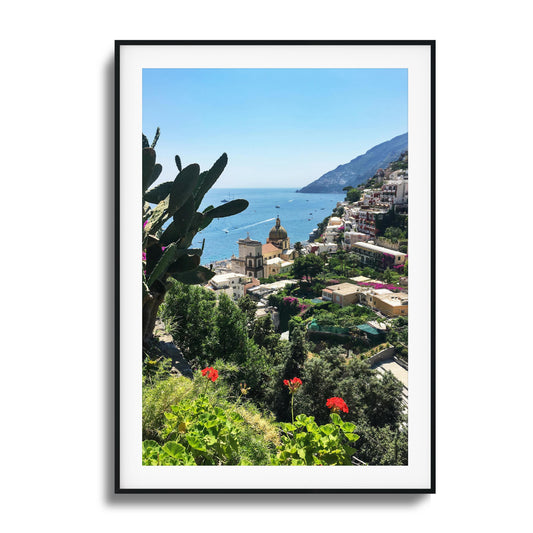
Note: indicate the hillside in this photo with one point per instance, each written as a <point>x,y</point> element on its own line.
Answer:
<point>359,169</point>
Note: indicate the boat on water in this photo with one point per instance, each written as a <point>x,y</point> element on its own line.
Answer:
<point>228,199</point>
<point>277,207</point>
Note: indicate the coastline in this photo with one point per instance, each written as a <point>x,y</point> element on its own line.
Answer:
<point>299,215</point>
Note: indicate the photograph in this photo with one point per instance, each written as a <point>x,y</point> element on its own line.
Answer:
<point>275,270</point>
<point>263,299</point>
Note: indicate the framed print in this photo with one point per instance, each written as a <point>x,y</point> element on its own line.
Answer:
<point>275,202</point>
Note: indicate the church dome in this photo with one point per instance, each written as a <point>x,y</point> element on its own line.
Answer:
<point>278,232</point>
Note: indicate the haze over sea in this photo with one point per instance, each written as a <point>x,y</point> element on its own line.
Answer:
<point>299,214</point>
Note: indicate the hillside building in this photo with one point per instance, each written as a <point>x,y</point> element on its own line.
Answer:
<point>393,304</point>
<point>232,284</point>
<point>353,237</point>
<point>394,192</point>
<point>342,294</point>
<point>377,256</point>
<point>365,219</point>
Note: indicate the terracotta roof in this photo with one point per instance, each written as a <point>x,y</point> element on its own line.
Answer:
<point>269,247</point>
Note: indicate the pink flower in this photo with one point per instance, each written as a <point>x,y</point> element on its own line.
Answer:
<point>144,255</point>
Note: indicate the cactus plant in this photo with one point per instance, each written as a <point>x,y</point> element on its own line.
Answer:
<point>166,252</point>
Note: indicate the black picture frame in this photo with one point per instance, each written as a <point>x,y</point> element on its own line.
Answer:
<point>122,485</point>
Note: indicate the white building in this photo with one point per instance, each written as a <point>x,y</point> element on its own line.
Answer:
<point>395,191</point>
<point>325,247</point>
<point>377,256</point>
<point>231,284</point>
<point>265,290</point>
<point>353,237</point>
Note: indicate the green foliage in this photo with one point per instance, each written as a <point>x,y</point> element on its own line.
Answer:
<point>264,335</point>
<point>192,423</point>
<point>298,353</point>
<point>338,211</point>
<point>157,400</point>
<point>321,226</point>
<point>167,252</point>
<point>377,400</point>
<point>391,220</point>
<point>372,400</point>
<point>306,443</point>
<point>287,308</point>
<point>399,165</point>
<point>192,312</point>
<point>309,266</point>
<point>369,272</point>
<point>353,195</point>
<point>294,322</point>
<point>319,380</point>
<point>388,275</point>
<point>342,265</point>
<point>395,234</point>
<point>382,445</point>
<point>231,331</point>
<point>196,432</point>
<point>249,308</point>
<point>344,317</point>
<point>156,368</point>
<point>207,329</point>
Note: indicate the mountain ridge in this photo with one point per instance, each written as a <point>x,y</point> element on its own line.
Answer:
<point>359,169</point>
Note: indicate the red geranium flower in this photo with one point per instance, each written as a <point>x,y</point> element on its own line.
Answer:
<point>210,373</point>
<point>336,405</point>
<point>294,384</point>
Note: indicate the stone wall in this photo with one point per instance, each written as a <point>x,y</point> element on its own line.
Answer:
<point>387,353</point>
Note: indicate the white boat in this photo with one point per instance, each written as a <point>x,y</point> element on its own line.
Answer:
<point>228,199</point>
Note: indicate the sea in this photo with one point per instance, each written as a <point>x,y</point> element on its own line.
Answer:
<point>299,214</point>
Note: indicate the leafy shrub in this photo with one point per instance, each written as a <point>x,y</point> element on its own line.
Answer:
<point>183,426</point>
<point>157,400</point>
<point>382,445</point>
<point>156,368</point>
<point>306,443</point>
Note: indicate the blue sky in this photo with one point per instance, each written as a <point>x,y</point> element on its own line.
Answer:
<point>279,127</point>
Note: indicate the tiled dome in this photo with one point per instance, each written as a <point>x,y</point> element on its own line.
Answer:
<point>278,232</point>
